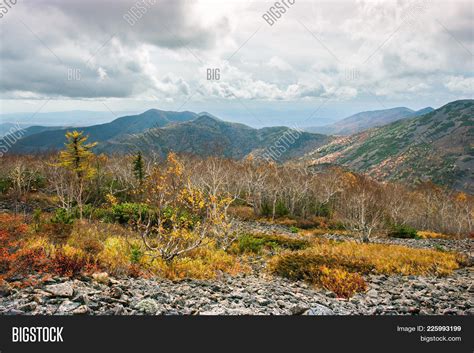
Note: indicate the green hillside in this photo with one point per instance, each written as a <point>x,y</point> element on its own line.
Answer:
<point>437,146</point>
<point>54,139</point>
<point>207,135</point>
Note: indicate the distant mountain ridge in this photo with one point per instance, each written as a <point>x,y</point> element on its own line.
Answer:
<point>436,146</point>
<point>46,138</point>
<point>62,118</point>
<point>366,120</point>
<point>208,135</point>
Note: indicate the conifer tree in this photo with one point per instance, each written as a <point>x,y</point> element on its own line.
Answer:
<point>139,168</point>
<point>77,157</point>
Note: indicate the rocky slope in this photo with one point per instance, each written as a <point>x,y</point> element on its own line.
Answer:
<point>243,295</point>
<point>436,146</point>
<point>251,294</point>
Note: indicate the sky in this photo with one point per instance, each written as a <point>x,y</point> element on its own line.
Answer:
<point>317,62</point>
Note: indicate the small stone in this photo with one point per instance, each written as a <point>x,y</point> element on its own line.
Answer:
<point>298,310</point>
<point>67,306</point>
<point>82,298</point>
<point>101,277</point>
<point>116,292</point>
<point>147,306</point>
<point>5,290</point>
<point>263,301</point>
<point>372,293</point>
<point>61,290</point>
<point>28,306</point>
<point>119,310</point>
<point>81,310</point>
<point>14,312</point>
<point>317,310</point>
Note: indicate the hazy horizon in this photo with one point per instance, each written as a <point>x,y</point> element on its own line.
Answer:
<point>316,63</point>
<point>100,117</point>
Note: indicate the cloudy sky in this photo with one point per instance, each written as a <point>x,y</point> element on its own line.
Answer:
<point>319,61</point>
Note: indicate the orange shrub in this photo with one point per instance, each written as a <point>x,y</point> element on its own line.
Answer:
<point>432,235</point>
<point>13,224</point>
<point>6,251</point>
<point>12,230</point>
<point>342,283</point>
<point>58,233</point>
<point>70,265</point>
<point>287,222</point>
<point>29,261</point>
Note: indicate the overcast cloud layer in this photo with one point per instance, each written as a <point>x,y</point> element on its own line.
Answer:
<point>340,53</point>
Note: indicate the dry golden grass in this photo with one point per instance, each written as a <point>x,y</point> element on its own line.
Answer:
<point>301,267</point>
<point>258,243</point>
<point>432,235</point>
<point>317,232</point>
<point>367,258</point>
<point>204,263</point>
<point>244,213</point>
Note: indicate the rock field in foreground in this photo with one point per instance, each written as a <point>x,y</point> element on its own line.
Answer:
<point>243,295</point>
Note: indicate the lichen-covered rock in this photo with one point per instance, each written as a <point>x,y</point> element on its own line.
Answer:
<point>318,310</point>
<point>245,295</point>
<point>101,277</point>
<point>61,290</point>
<point>147,306</point>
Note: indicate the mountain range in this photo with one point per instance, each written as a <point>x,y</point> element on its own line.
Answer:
<point>207,135</point>
<point>366,120</point>
<point>437,146</point>
<point>47,139</point>
<point>428,144</point>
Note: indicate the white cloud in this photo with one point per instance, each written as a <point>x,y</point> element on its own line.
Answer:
<point>403,49</point>
<point>279,64</point>
<point>460,84</point>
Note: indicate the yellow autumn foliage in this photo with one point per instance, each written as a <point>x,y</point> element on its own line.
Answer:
<point>367,258</point>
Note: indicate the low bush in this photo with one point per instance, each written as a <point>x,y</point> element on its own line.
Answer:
<point>136,253</point>
<point>29,261</point>
<point>89,237</point>
<point>12,232</point>
<point>319,232</point>
<point>340,281</point>
<point>403,231</point>
<point>248,243</point>
<point>116,255</point>
<point>322,210</point>
<point>125,213</point>
<point>343,283</point>
<point>5,185</point>
<point>244,213</point>
<point>294,230</point>
<point>58,233</point>
<point>366,258</point>
<point>287,222</point>
<point>432,235</point>
<point>281,209</point>
<point>256,243</point>
<point>13,224</point>
<point>71,263</point>
<point>204,263</point>
<point>315,222</point>
<point>62,216</point>
<point>306,223</point>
